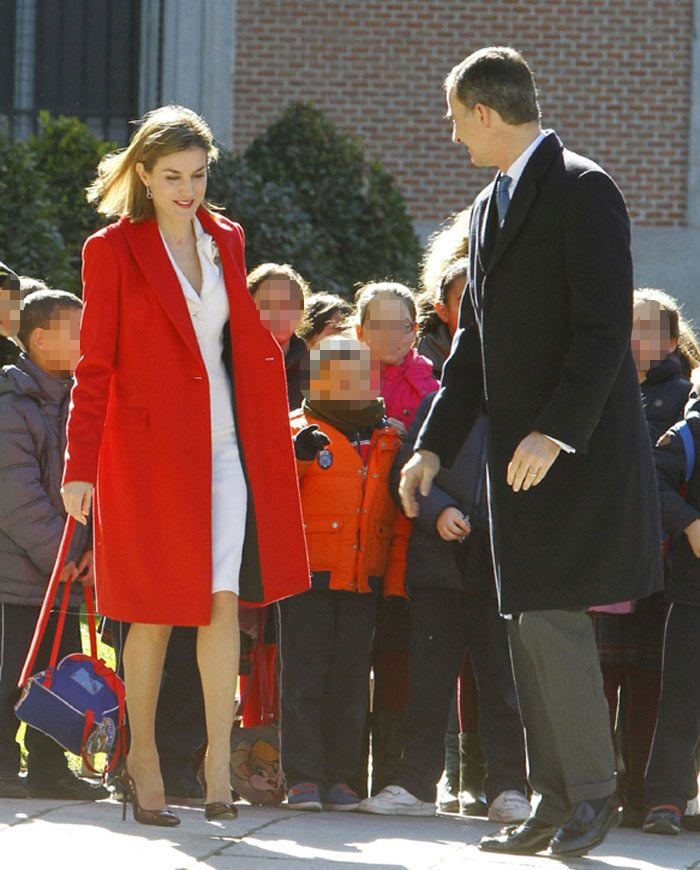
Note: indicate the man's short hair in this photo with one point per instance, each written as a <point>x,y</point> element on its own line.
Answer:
<point>39,307</point>
<point>497,77</point>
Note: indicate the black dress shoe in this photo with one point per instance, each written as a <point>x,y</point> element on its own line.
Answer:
<point>586,828</point>
<point>66,787</point>
<point>529,838</point>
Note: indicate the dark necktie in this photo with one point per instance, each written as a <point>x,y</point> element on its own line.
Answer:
<point>502,197</point>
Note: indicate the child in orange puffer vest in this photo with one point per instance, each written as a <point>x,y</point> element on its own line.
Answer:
<point>345,449</point>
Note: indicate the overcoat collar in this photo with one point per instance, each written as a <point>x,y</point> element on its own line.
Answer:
<point>522,200</point>
<point>148,249</point>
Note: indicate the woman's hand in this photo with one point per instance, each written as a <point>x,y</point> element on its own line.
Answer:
<point>77,500</point>
<point>452,525</point>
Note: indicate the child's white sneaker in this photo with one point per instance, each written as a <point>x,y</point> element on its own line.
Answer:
<point>396,801</point>
<point>510,806</point>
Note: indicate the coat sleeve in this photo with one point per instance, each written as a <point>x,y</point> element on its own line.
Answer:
<point>431,506</point>
<point>98,341</point>
<point>669,456</point>
<point>598,267</point>
<point>460,398</point>
<point>27,516</point>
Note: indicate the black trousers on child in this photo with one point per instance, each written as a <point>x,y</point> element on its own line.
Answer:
<point>180,726</point>
<point>47,760</point>
<point>672,776</point>
<point>325,653</point>
<point>444,623</point>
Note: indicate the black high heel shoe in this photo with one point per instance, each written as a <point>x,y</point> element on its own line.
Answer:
<point>160,818</point>
<point>220,811</point>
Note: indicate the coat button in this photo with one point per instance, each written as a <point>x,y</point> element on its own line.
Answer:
<point>374,474</point>
<point>334,525</point>
<point>355,547</point>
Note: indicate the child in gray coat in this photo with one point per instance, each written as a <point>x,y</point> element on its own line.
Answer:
<point>34,396</point>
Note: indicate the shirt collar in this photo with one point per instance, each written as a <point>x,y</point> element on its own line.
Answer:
<point>516,169</point>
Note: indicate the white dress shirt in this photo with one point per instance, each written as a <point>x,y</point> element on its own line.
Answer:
<point>515,171</point>
<point>209,313</point>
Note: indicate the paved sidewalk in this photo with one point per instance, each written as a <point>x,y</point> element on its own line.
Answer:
<point>43,834</point>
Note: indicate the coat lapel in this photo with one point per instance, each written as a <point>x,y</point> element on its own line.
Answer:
<point>524,195</point>
<point>150,254</point>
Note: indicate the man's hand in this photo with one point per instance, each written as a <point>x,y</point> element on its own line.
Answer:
<point>418,472</point>
<point>452,525</point>
<point>692,532</point>
<point>77,499</point>
<point>86,574</point>
<point>533,458</point>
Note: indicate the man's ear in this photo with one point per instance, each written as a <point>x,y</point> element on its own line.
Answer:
<point>36,339</point>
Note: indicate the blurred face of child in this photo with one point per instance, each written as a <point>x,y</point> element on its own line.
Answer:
<point>349,376</point>
<point>388,329</point>
<point>178,183</point>
<point>448,311</point>
<point>56,348</point>
<point>281,306</point>
<point>9,313</point>
<point>651,336</point>
<point>9,302</point>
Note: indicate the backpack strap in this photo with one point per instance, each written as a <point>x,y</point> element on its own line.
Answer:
<point>48,603</point>
<point>689,446</point>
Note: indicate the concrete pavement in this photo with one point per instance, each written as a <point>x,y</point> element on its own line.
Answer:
<point>50,834</point>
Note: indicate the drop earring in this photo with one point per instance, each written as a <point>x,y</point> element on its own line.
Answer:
<point>149,195</point>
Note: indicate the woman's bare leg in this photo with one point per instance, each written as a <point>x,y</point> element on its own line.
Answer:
<point>144,654</point>
<point>218,652</point>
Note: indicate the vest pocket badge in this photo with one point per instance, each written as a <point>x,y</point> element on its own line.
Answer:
<point>324,458</point>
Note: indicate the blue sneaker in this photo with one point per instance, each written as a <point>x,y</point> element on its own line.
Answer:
<point>304,796</point>
<point>663,819</point>
<point>340,798</point>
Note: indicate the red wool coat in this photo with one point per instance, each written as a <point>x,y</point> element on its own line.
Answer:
<point>139,428</point>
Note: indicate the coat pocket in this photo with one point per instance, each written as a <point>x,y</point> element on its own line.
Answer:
<point>323,538</point>
<point>127,417</point>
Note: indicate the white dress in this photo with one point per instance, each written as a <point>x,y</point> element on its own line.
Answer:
<point>209,313</point>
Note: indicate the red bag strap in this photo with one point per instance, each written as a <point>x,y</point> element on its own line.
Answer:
<point>259,667</point>
<point>49,598</point>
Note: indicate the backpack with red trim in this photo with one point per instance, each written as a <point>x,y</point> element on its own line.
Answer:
<point>79,702</point>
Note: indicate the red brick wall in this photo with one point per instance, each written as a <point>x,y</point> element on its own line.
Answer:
<point>614,78</point>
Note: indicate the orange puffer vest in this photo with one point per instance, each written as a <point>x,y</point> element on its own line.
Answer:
<point>347,508</point>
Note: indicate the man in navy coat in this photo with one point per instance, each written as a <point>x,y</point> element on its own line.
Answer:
<point>544,348</point>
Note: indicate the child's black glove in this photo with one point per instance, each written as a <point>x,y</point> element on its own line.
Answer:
<point>308,442</point>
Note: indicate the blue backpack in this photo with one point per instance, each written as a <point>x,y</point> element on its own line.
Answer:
<point>79,702</point>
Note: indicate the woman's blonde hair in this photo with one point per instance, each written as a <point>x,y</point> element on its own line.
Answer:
<point>117,190</point>
<point>447,245</point>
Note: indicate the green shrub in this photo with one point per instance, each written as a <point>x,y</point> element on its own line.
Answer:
<point>30,241</point>
<point>305,194</point>
<point>66,153</point>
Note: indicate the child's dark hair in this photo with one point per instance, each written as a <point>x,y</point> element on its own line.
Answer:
<point>28,285</point>
<point>38,309</point>
<point>321,309</point>
<point>368,292</point>
<point>428,320</point>
<point>679,328</point>
<point>265,271</point>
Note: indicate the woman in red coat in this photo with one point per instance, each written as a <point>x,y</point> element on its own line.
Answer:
<point>196,495</point>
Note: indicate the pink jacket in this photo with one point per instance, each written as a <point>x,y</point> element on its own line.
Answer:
<point>404,386</point>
